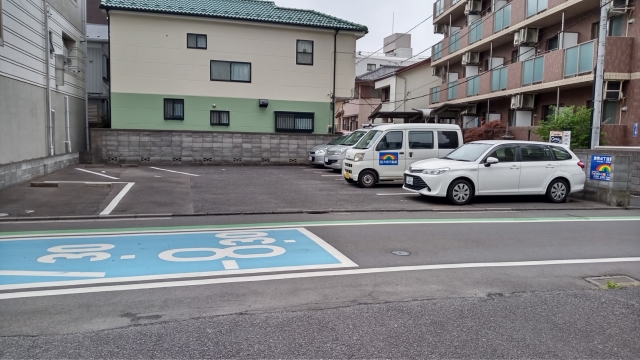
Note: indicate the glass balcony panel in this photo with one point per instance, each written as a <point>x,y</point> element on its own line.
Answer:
<point>585,64</point>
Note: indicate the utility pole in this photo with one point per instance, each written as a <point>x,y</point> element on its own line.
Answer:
<point>597,100</point>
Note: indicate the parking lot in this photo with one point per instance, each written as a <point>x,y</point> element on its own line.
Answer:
<point>185,190</point>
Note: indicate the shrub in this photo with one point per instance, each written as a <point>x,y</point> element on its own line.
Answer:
<point>488,131</point>
<point>578,121</point>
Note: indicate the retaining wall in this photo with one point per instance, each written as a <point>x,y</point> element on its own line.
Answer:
<point>23,171</point>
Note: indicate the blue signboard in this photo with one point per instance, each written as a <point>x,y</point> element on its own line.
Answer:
<point>86,259</point>
<point>635,129</point>
<point>601,167</point>
<point>388,158</point>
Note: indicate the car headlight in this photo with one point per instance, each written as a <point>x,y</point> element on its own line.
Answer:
<point>358,157</point>
<point>435,171</point>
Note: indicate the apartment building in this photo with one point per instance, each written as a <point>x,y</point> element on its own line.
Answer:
<point>514,60</point>
<point>42,87</point>
<point>222,65</point>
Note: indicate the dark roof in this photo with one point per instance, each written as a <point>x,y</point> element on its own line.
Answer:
<point>251,10</point>
<point>379,73</point>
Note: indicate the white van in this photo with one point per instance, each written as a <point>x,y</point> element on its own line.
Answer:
<point>385,152</point>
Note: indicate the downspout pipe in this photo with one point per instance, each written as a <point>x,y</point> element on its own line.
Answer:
<point>47,55</point>
<point>333,94</point>
<point>86,90</point>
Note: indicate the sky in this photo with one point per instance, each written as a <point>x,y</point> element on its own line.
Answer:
<point>378,16</point>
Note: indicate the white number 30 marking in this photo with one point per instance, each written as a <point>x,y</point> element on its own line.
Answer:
<point>76,252</point>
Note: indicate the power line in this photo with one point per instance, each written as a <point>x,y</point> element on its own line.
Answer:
<point>398,38</point>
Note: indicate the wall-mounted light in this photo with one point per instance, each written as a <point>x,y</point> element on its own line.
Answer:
<point>214,105</point>
<point>623,109</point>
<point>263,103</point>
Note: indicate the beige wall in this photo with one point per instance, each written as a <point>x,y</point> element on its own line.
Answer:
<point>149,55</point>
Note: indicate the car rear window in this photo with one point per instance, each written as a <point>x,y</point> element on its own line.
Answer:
<point>561,154</point>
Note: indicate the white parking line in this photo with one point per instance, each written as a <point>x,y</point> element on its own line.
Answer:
<point>312,274</point>
<point>177,172</point>
<point>51,273</point>
<point>112,205</point>
<point>95,173</point>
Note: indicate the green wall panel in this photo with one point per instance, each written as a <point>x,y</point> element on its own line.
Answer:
<point>146,112</point>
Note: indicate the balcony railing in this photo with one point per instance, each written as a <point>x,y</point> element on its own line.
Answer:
<point>499,79</point>
<point>536,6</point>
<point>437,51</point>
<point>502,18</point>
<point>438,7</point>
<point>452,91</point>
<point>533,71</point>
<point>473,86</point>
<point>454,42</point>
<point>435,95</point>
<point>579,59</point>
<point>475,32</point>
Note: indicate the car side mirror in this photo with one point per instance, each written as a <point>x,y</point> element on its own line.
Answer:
<point>491,160</point>
<point>380,146</point>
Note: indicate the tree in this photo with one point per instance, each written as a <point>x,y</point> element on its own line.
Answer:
<point>488,131</point>
<point>569,119</point>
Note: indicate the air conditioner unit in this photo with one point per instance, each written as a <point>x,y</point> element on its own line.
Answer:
<point>522,101</point>
<point>437,71</point>
<point>440,29</point>
<point>617,7</point>
<point>471,58</point>
<point>526,36</point>
<point>613,91</point>
<point>473,7</point>
<point>471,110</point>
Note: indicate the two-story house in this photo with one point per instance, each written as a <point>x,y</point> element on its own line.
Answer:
<point>515,60</point>
<point>227,65</point>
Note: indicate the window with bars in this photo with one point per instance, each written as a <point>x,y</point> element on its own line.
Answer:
<point>304,52</point>
<point>219,118</point>
<point>197,41</point>
<point>174,109</point>
<point>230,71</point>
<point>294,122</point>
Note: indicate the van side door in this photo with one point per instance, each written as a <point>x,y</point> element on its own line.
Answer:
<point>420,146</point>
<point>448,140</point>
<point>390,157</point>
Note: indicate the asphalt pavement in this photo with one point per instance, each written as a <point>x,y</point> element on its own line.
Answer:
<point>501,284</point>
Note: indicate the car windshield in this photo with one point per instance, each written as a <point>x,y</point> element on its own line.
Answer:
<point>353,138</point>
<point>368,139</point>
<point>337,141</point>
<point>468,152</point>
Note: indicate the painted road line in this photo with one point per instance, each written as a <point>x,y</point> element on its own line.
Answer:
<point>396,194</point>
<point>271,277</point>
<point>51,273</point>
<point>9,236</point>
<point>166,256</point>
<point>88,182</point>
<point>112,205</point>
<point>177,172</point>
<point>95,173</point>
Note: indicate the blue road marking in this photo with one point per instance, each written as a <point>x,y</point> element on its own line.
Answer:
<point>68,260</point>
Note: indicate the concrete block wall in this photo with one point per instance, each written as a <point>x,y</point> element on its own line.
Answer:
<point>625,176</point>
<point>23,171</point>
<point>204,148</point>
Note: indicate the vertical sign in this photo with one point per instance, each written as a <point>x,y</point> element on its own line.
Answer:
<point>566,138</point>
<point>635,129</point>
<point>601,167</point>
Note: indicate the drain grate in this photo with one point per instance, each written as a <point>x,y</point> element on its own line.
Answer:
<point>401,253</point>
<point>622,280</point>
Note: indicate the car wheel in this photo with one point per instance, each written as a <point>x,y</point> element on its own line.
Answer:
<point>367,179</point>
<point>558,191</point>
<point>460,192</point>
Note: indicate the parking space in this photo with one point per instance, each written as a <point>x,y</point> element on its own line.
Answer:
<point>218,190</point>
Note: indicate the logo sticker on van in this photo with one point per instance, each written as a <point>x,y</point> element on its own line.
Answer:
<point>388,158</point>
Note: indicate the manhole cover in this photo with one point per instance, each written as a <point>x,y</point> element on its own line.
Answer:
<point>401,253</point>
<point>618,280</point>
<point>3,214</point>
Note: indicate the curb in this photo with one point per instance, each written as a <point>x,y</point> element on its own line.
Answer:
<point>293,212</point>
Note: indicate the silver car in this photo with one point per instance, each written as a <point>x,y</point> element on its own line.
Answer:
<point>335,154</point>
<point>316,155</point>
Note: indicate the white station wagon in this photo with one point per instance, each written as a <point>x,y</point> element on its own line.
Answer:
<point>499,167</point>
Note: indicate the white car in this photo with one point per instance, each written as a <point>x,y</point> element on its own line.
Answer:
<point>499,167</point>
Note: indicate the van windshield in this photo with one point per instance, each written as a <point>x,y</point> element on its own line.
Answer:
<point>368,140</point>
<point>353,138</point>
<point>468,152</point>
<point>337,141</point>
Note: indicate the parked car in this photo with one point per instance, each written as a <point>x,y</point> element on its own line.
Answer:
<point>386,151</point>
<point>316,155</point>
<point>335,154</point>
<point>499,167</point>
